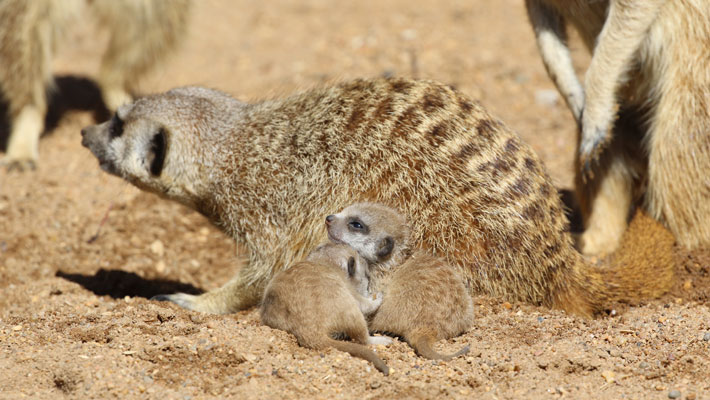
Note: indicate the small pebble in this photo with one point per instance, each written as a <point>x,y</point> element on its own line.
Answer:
<point>540,319</point>
<point>706,337</point>
<point>375,385</point>
<point>546,97</point>
<point>674,394</point>
<point>643,365</point>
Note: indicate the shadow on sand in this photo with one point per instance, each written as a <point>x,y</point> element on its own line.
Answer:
<point>119,284</point>
<point>69,93</point>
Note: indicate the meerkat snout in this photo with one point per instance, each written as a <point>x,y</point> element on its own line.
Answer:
<point>329,219</point>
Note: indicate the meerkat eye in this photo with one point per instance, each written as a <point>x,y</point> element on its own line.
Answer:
<point>115,128</point>
<point>356,225</point>
<point>156,155</point>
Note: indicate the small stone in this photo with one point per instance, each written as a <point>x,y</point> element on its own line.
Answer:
<point>614,353</point>
<point>674,394</point>
<point>609,376</point>
<point>17,328</point>
<point>662,320</point>
<point>546,97</point>
<point>706,337</point>
<point>507,305</point>
<point>691,396</point>
<point>160,267</point>
<point>158,248</point>
<point>540,319</point>
<point>375,385</point>
<point>643,365</point>
<point>688,284</point>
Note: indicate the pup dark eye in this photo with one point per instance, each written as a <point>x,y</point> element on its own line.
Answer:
<point>356,225</point>
<point>115,128</point>
<point>351,266</point>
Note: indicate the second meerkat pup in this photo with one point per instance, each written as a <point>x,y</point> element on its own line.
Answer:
<point>318,298</point>
<point>425,299</point>
<point>642,110</point>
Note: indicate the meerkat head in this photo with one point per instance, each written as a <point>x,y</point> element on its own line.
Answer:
<point>156,142</point>
<point>347,259</point>
<point>379,233</point>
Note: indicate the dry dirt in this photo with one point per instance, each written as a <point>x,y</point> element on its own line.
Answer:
<point>75,321</point>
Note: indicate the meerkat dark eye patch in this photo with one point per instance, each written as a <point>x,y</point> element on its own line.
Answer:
<point>351,266</point>
<point>156,155</point>
<point>385,247</point>
<point>115,127</point>
<point>355,225</point>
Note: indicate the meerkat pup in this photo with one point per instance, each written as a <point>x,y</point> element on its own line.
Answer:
<point>642,111</point>
<point>425,299</point>
<point>317,299</point>
<point>266,172</point>
<point>142,32</point>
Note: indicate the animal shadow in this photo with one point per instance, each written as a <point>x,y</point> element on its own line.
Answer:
<point>69,93</point>
<point>119,284</point>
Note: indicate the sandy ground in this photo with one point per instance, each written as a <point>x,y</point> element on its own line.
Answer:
<point>75,321</point>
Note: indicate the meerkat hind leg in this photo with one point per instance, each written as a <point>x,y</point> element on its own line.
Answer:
<point>23,145</point>
<point>606,198</point>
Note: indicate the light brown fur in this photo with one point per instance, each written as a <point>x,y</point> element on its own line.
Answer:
<point>314,301</point>
<point>650,70</point>
<point>142,32</point>
<point>266,173</point>
<point>425,299</point>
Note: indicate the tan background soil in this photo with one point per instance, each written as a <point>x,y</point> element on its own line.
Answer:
<point>74,318</point>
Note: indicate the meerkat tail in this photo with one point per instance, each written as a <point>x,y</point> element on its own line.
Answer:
<point>422,344</point>
<point>360,351</point>
<point>641,268</point>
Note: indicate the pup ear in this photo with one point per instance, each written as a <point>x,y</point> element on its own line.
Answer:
<point>156,154</point>
<point>351,266</point>
<point>385,247</point>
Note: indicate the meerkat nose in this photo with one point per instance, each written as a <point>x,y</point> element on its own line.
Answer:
<point>329,219</point>
<point>83,132</point>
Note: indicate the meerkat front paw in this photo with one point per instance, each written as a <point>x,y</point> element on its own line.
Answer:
<point>595,136</point>
<point>184,300</point>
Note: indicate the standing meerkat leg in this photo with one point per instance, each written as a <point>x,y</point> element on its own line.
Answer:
<point>605,182</point>
<point>549,27</point>
<point>607,199</point>
<point>142,32</point>
<point>625,28</point>
<point>26,35</point>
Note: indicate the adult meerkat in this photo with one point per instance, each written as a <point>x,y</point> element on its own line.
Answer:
<point>316,299</point>
<point>267,172</point>
<point>142,32</point>
<point>425,299</point>
<point>649,62</point>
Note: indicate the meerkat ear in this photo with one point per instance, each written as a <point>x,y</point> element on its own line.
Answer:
<point>351,266</point>
<point>385,247</point>
<point>156,154</point>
